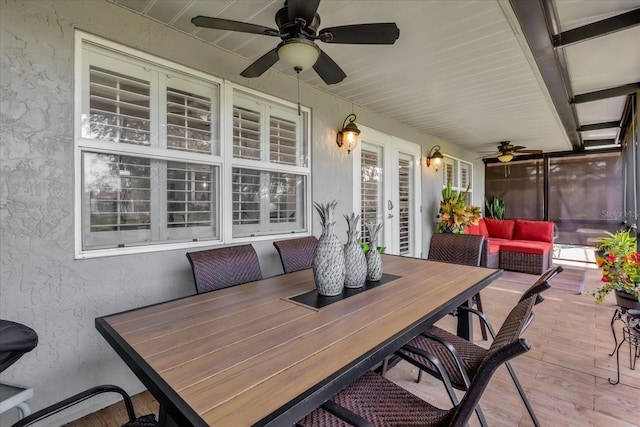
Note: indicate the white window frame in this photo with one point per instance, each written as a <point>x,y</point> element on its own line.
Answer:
<point>222,160</point>
<point>457,184</point>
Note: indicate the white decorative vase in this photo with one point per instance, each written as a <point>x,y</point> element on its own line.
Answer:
<point>374,262</point>
<point>328,258</point>
<point>354,259</point>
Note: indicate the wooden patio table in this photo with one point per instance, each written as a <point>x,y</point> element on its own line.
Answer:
<point>248,355</point>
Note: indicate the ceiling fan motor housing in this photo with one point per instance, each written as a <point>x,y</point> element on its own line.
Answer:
<point>291,28</point>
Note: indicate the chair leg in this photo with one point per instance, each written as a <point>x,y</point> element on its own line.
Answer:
<point>523,396</point>
<point>483,328</point>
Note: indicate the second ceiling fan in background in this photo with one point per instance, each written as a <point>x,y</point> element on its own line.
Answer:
<point>298,25</point>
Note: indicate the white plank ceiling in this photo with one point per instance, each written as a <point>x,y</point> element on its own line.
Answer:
<point>460,70</point>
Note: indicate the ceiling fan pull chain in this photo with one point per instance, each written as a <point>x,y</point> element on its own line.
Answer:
<point>298,69</point>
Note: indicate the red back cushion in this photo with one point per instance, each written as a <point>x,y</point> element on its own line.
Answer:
<point>480,229</point>
<point>501,228</point>
<point>541,231</point>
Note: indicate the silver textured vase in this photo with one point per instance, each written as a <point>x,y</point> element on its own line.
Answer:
<point>328,258</point>
<point>354,259</point>
<point>374,262</point>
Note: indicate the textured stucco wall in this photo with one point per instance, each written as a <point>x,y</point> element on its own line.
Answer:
<point>42,285</point>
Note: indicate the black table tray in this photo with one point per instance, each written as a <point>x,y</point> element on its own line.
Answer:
<point>315,300</point>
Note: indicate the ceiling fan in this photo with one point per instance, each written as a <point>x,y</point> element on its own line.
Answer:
<point>298,25</point>
<point>506,151</point>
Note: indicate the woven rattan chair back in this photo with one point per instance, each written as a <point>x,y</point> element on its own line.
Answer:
<point>456,248</point>
<point>542,284</point>
<point>506,345</point>
<point>221,268</point>
<point>296,254</point>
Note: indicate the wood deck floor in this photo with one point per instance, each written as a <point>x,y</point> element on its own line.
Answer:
<point>565,373</point>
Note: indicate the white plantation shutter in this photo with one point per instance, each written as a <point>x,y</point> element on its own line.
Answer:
<point>246,191</point>
<point>465,174</point>
<point>267,202</point>
<point>119,107</point>
<point>189,197</point>
<point>371,188</point>
<point>188,122</point>
<point>246,133</point>
<point>405,172</point>
<point>282,141</point>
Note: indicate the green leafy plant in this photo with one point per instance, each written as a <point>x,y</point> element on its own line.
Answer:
<point>454,214</point>
<point>365,247</point>
<point>622,243</point>
<point>495,208</point>
<point>620,265</point>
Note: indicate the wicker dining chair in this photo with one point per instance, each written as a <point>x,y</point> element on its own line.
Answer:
<point>16,340</point>
<point>372,400</point>
<point>460,358</point>
<point>465,249</point>
<point>296,254</point>
<point>143,421</point>
<point>221,268</point>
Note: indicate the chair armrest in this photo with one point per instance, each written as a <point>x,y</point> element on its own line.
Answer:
<point>482,317</point>
<point>345,414</point>
<point>75,399</point>
<point>436,362</point>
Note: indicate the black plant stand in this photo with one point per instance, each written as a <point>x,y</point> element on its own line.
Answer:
<point>630,333</point>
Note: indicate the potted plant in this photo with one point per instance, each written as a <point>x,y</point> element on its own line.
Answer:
<point>495,208</point>
<point>454,214</point>
<point>620,270</point>
<point>622,243</point>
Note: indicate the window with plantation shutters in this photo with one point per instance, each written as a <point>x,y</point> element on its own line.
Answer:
<point>270,173</point>
<point>158,171</point>
<point>149,148</point>
<point>459,173</point>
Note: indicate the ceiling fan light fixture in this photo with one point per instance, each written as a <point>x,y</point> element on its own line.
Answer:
<point>505,157</point>
<point>299,53</point>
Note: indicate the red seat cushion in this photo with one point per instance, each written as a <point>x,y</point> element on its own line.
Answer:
<point>533,230</point>
<point>500,228</point>
<point>527,247</point>
<point>495,244</point>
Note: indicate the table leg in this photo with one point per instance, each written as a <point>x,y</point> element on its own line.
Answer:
<point>465,322</point>
<point>165,419</point>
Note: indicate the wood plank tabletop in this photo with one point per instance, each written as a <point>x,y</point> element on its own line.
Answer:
<point>248,355</point>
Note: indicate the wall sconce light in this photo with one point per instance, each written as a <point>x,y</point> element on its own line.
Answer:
<point>348,136</point>
<point>436,156</point>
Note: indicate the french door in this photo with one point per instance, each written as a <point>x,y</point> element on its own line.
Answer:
<point>387,190</point>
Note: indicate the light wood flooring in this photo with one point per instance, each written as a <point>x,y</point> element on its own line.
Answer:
<point>565,373</point>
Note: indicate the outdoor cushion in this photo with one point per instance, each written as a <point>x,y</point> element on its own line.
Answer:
<point>533,230</point>
<point>501,228</point>
<point>481,229</point>
<point>494,244</point>
<point>527,247</point>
